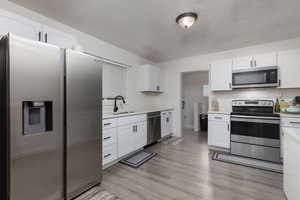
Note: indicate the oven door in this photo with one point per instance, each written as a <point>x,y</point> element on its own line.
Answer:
<point>257,77</point>
<point>256,130</point>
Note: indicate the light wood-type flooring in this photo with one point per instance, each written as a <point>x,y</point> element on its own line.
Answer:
<point>185,171</point>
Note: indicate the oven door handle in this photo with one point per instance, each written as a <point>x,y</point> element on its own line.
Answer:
<point>265,121</point>
<point>254,117</point>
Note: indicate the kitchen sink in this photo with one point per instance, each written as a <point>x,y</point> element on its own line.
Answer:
<point>122,113</point>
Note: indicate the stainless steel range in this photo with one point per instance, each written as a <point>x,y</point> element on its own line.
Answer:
<point>255,130</point>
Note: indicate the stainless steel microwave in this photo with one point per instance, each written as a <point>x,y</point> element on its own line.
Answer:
<point>256,77</point>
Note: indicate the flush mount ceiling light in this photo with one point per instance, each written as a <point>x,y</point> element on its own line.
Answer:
<point>186,20</point>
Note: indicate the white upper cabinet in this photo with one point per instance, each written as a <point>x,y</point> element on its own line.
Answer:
<point>221,75</point>
<point>260,60</point>
<point>289,64</point>
<point>58,38</point>
<point>244,62</point>
<point>26,28</point>
<point>114,81</point>
<point>19,26</point>
<point>150,79</point>
<point>265,60</point>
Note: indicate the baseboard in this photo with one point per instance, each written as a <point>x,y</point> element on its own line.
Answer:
<point>214,148</point>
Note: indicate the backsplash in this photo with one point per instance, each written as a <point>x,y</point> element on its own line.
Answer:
<point>224,98</point>
<point>108,106</point>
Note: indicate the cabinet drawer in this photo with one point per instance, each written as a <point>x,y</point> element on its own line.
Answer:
<point>131,119</point>
<point>219,117</point>
<point>109,136</point>
<point>290,121</point>
<point>109,123</point>
<point>109,154</point>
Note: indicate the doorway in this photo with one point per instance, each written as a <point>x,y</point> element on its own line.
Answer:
<point>194,102</point>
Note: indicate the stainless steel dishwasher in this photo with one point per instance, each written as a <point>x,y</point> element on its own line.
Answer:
<point>154,127</point>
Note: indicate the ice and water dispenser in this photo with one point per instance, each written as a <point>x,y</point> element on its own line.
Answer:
<point>37,117</point>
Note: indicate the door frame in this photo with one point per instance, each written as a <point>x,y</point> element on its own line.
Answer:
<point>181,95</point>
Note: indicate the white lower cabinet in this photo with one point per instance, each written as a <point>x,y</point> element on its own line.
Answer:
<point>131,137</point>
<point>219,130</point>
<point>291,172</point>
<point>126,139</point>
<point>166,123</point>
<point>109,145</point>
<point>141,135</point>
<point>122,136</point>
<point>109,154</point>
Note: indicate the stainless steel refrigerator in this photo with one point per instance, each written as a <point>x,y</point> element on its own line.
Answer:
<point>50,121</point>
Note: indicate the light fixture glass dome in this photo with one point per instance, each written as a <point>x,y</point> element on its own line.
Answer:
<point>186,20</point>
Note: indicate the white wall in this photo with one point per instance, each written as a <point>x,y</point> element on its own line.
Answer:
<point>192,92</point>
<point>173,69</point>
<point>92,45</point>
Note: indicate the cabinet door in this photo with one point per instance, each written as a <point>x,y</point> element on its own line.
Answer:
<point>265,60</point>
<point>289,63</point>
<point>218,134</point>
<point>150,78</point>
<point>244,62</point>
<point>221,75</point>
<point>170,123</point>
<point>19,26</point>
<point>291,168</point>
<point>58,38</point>
<point>157,79</point>
<point>126,141</point>
<point>164,124</point>
<point>281,143</point>
<point>141,135</point>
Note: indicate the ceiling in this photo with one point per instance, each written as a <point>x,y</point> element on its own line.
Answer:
<point>147,27</point>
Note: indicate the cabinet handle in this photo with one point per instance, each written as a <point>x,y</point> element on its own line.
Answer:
<point>167,120</point>
<point>107,124</point>
<point>255,63</point>
<point>46,37</point>
<point>279,83</point>
<point>40,36</point>
<point>295,122</point>
<point>229,85</point>
<point>218,117</point>
<point>251,63</point>
<point>134,129</point>
<point>157,88</point>
<point>107,155</point>
<point>228,128</point>
<point>106,138</point>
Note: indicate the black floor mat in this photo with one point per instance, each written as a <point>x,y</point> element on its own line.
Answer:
<point>137,159</point>
<point>248,162</point>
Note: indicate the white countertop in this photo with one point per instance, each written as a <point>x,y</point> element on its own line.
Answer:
<point>136,112</point>
<point>292,132</point>
<point>218,112</point>
<point>289,115</point>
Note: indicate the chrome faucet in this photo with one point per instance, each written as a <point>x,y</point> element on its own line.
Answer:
<point>115,105</point>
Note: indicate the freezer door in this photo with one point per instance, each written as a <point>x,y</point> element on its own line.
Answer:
<point>84,126</point>
<point>36,157</point>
